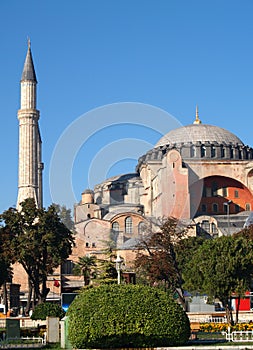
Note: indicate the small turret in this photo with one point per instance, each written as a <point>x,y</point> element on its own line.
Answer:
<point>88,196</point>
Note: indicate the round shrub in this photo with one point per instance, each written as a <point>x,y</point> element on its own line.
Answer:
<point>41,311</point>
<point>114,316</point>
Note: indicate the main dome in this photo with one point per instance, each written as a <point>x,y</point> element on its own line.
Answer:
<point>199,133</point>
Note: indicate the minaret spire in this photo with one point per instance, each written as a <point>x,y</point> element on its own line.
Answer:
<point>28,70</point>
<point>30,164</point>
<point>197,120</point>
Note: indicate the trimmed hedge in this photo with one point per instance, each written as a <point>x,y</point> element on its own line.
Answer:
<point>41,311</point>
<point>116,316</point>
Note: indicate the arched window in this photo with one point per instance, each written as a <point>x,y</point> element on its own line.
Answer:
<point>214,230</point>
<point>213,151</point>
<point>222,151</point>
<point>203,151</point>
<point>214,189</point>
<point>205,226</point>
<point>141,228</point>
<point>237,208</point>
<point>215,207</point>
<point>193,152</point>
<point>129,225</point>
<point>115,227</point>
<point>224,191</point>
<point>203,208</point>
<point>247,207</point>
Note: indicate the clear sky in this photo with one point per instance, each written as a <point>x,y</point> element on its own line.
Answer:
<point>162,55</point>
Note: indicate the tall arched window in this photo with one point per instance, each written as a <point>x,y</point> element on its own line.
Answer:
<point>129,225</point>
<point>222,151</point>
<point>115,227</point>
<point>141,228</point>
<point>237,208</point>
<point>203,208</point>
<point>214,189</point>
<point>193,151</point>
<point>213,151</point>
<point>215,207</point>
<point>247,207</point>
<point>203,151</point>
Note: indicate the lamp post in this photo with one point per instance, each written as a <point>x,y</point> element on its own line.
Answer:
<point>118,262</point>
<point>228,217</point>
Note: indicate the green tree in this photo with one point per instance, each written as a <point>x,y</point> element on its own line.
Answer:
<point>5,259</point>
<point>39,241</point>
<point>187,247</point>
<point>221,267</point>
<point>65,216</point>
<point>123,316</point>
<point>106,268</point>
<point>156,259</point>
<point>86,266</point>
<point>5,266</point>
<point>41,311</point>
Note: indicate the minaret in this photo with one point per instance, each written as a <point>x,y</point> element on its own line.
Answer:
<point>30,165</point>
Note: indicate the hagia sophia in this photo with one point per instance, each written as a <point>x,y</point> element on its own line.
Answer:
<point>200,174</point>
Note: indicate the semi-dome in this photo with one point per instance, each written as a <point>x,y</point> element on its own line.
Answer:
<point>199,133</point>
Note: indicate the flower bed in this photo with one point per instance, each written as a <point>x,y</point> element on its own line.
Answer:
<point>222,327</point>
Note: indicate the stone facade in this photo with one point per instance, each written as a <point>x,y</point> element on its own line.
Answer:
<point>200,174</point>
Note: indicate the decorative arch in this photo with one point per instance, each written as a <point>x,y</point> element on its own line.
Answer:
<point>216,191</point>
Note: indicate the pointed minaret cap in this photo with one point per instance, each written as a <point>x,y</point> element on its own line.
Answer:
<point>28,70</point>
<point>197,120</point>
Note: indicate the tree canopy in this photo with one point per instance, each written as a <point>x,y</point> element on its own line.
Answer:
<point>65,216</point>
<point>221,267</point>
<point>86,266</point>
<point>38,240</point>
<point>156,259</point>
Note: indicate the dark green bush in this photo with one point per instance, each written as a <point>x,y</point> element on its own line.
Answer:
<point>41,311</point>
<point>114,316</point>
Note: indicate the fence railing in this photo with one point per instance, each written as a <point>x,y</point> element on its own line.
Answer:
<point>239,336</point>
<point>25,323</point>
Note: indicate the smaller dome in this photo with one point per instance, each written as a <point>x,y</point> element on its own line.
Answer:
<point>88,191</point>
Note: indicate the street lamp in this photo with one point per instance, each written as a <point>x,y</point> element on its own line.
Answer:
<point>118,262</point>
<point>228,218</point>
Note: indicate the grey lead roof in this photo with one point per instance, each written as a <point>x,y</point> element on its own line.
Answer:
<point>199,132</point>
<point>28,70</point>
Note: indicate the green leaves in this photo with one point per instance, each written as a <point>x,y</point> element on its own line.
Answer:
<point>38,240</point>
<point>85,266</point>
<point>156,260</point>
<point>126,315</point>
<point>43,310</point>
<point>219,267</point>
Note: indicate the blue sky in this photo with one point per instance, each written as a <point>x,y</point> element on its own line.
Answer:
<point>167,54</point>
